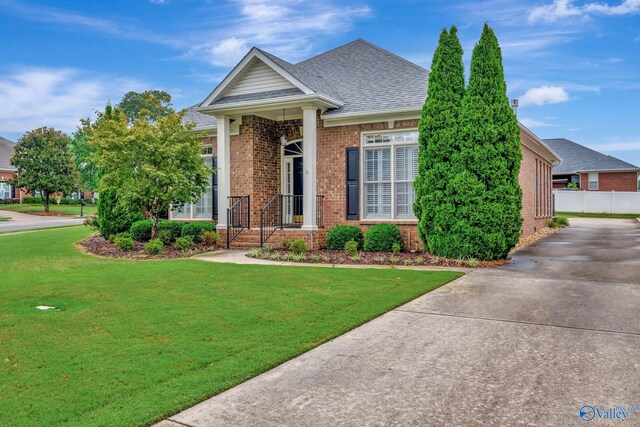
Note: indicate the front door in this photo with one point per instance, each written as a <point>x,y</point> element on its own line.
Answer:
<point>293,173</point>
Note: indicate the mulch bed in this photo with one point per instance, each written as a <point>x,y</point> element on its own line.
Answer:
<point>98,245</point>
<point>325,256</point>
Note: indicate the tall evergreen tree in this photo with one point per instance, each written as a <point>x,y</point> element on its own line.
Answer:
<point>439,140</point>
<point>485,188</point>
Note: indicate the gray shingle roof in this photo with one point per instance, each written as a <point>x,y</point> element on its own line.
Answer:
<point>365,77</point>
<point>576,157</point>
<point>7,148</point>
<point>201,120</point>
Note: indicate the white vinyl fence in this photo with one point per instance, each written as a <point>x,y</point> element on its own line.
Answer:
<point>621,202</point>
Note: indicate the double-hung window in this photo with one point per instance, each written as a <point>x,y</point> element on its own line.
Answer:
<point>203,208</point>
<point>390,167</point>
<point>593,180</point>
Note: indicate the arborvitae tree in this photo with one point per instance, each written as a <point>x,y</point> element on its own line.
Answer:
<point>485,189</point>
<point>439,140</point>
<point>113,218</point>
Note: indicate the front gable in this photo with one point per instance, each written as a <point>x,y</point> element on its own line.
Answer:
<point>256,76</point>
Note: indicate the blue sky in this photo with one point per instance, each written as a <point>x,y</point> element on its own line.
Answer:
<point>574,65</point>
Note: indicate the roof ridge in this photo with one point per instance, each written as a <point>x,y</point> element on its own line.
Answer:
<point>371,45</point>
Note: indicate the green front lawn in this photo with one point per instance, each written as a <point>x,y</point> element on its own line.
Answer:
<point>132,342</point>
<point>595,215</point>
<point>53,207</point>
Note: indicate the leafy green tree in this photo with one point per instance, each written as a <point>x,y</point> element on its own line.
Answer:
<point>485,191</point>
<point>150,104</point>
<point>151,164</point>
<point>45,164</point>
<point>439,141</point>
<point>85,162</point>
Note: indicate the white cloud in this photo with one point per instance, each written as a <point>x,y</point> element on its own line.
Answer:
<point>618,146</point>
<point>565,8</point>
<point>544,95</point>
<point>55,97</point>
<point>286,28</point>
<point>534,123</point>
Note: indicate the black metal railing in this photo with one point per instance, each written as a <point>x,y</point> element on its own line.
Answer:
<point>286,211</point>
<point>238,216</point>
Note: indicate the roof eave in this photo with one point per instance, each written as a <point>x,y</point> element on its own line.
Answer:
<point>608,170</point>
<point>321,101</point>
<point>538,143</point>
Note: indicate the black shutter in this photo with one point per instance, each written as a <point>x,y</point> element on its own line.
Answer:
<point>214,177</point>
<point>353,183</point>
<point>13,192</point>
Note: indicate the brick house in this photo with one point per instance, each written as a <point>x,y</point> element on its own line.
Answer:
<point>6,169</point>
<point>330,140</point>
<point>591,170</point>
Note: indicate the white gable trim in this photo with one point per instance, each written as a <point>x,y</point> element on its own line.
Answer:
<point>253,53</point>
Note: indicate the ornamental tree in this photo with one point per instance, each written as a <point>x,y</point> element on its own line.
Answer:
<point>152,164</point>
<point>485,191</point>
<point>45,164</point>
<point>438,138</point>
<point>84,160</point>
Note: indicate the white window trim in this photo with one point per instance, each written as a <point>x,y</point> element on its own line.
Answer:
<point>597,181</point>
<point>193,205</point>
<point>361,167</point>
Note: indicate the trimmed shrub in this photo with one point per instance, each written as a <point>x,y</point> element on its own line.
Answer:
<point>173,227</point>
<point>112,218</point>
<point>141,230</point>
<point>154,247</point>
<point>184,243</point>
<point>124,242</point>
<point>298,246</point>
<point>563,221</point>
<point>286,242</point>
<point>338,236</point>
<point>165,236</point>
<point>396,248</point>
<point>209,238</point>
<point>351,248</point>
<point>381,237</point>
<point>195,229</point>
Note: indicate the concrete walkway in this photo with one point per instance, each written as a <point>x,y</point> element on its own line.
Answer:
<point>527,344</point>
<point>22,221</point>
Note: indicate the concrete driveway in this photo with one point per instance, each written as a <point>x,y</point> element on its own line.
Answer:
<point>529,344</point>
<point>22,221</point>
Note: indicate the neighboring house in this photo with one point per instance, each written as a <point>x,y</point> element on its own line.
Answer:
<point>590,169</point>
<point>6,169</point>
<point>331,140</point>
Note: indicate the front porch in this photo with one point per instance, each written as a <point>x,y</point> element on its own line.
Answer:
<point>266,172</point>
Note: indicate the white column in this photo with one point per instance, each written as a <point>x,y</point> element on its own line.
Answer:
<point>309,162</point>
<point>224,170</point>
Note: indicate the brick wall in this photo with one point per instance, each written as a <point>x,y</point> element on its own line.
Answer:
<point>256,165</point>
<point>612,181</point>
<point>535,181</point>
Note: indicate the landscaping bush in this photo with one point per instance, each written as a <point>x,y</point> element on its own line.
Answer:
<point>396,248</point>
<point>351,248</point>
<point>184,243</point>
<point>36,200</point>
<point>195,229</point>
<point>209,238</point>
<point>557,222</point>
<point>9,201</point>
<point>141,230</point>
<point>112,218</point>
<point>154,247</point>
<point>165,236</point>
<point>124,242</point>
<point>381,237</point>
<point>174,228</point>
<point>298,246</point>
<point>32,200</point>
<point>340,235</point>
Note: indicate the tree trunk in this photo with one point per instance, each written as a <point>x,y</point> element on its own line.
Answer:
<point>154,223</point>
<point>45,200</point>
